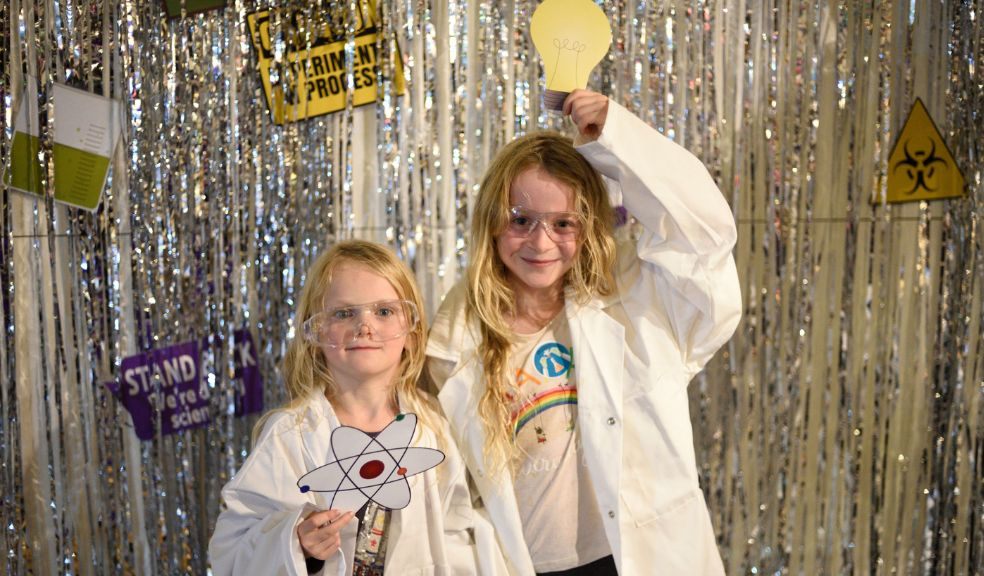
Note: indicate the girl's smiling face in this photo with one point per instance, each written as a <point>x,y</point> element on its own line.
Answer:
<point>538,261</point>
<point>363,357</point>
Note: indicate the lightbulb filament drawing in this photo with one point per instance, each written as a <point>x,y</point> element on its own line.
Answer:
<point>565,47</point>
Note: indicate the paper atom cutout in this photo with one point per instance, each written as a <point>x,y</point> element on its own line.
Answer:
<point>366,468</point>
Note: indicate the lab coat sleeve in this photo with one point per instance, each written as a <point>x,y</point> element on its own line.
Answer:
<point>456,503</point>
<point>448,336</point>
<point>256,533</point>
<point>469,540</point>
<point>689,231</point>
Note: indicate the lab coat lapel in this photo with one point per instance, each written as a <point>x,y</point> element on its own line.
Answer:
<point>599,356</point>
<point>315,431</point>
<point>599,349</point>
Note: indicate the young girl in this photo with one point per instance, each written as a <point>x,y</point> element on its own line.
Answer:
<point>564,357</point>
<point>355,361</point>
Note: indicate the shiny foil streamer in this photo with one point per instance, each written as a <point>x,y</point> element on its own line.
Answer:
<point>841,430</point>
<point>11,502</point>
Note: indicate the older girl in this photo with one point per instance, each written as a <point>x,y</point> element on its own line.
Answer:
<point>575,351</point>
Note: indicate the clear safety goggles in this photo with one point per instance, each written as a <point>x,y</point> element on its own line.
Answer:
<point>560,226</point>
<point>375,322</point>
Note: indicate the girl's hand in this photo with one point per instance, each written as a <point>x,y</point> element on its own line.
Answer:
<point>319,533</point>
<point>588,110</point>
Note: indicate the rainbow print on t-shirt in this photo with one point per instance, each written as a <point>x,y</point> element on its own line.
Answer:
<point>559,396</point>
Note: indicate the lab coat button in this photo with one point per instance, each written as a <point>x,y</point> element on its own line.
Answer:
<point>611,421</point>
<point>611,513</point>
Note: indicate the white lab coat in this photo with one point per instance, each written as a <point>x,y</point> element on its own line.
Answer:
<point>678,301</point>
<point>256,533</point>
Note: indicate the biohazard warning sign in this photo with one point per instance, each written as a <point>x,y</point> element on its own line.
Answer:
<point>303,60</point>
<point>921,166</point>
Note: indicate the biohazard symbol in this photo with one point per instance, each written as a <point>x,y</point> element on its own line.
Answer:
<point>921,166</point>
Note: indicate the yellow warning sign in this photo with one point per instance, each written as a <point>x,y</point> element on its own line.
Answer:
<point>921,166</point>
<point>310,78</point>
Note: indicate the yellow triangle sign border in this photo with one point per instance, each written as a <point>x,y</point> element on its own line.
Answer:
<point>894,196</point>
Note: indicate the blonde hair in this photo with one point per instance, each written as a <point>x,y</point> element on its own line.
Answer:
<point>304,367</point>
<point>490,296</point>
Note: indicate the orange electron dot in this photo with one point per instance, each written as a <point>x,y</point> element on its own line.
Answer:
<point>402,471</point>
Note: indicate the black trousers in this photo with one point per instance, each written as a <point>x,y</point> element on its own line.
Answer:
<point>601,567</point>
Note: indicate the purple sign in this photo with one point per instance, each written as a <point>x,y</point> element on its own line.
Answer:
<point>169,381</point>
<point>249,383</point>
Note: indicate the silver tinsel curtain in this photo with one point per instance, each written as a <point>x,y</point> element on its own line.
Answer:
<point>842,429</point>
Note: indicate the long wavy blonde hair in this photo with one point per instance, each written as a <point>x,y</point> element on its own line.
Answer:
<point>304,367</point>
<point>490,296</point>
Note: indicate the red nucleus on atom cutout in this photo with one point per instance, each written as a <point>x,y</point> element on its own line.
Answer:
<point>371,469</point>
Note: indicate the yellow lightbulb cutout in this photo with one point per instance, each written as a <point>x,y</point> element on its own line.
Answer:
<point>572,36</point>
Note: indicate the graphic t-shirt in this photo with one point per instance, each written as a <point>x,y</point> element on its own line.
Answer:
<point>561,522</point>
<point>370,544</point>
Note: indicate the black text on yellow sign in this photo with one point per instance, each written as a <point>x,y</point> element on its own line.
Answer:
<point>313,79</point>
<point>921,166</point>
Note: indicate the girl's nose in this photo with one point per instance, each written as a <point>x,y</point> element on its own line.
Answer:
<point>539,236</point>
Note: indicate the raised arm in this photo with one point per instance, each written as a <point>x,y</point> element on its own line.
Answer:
<point>689,228</point>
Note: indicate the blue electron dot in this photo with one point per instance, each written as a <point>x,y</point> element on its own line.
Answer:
<point>304,489</point>
<point>400,417</point>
